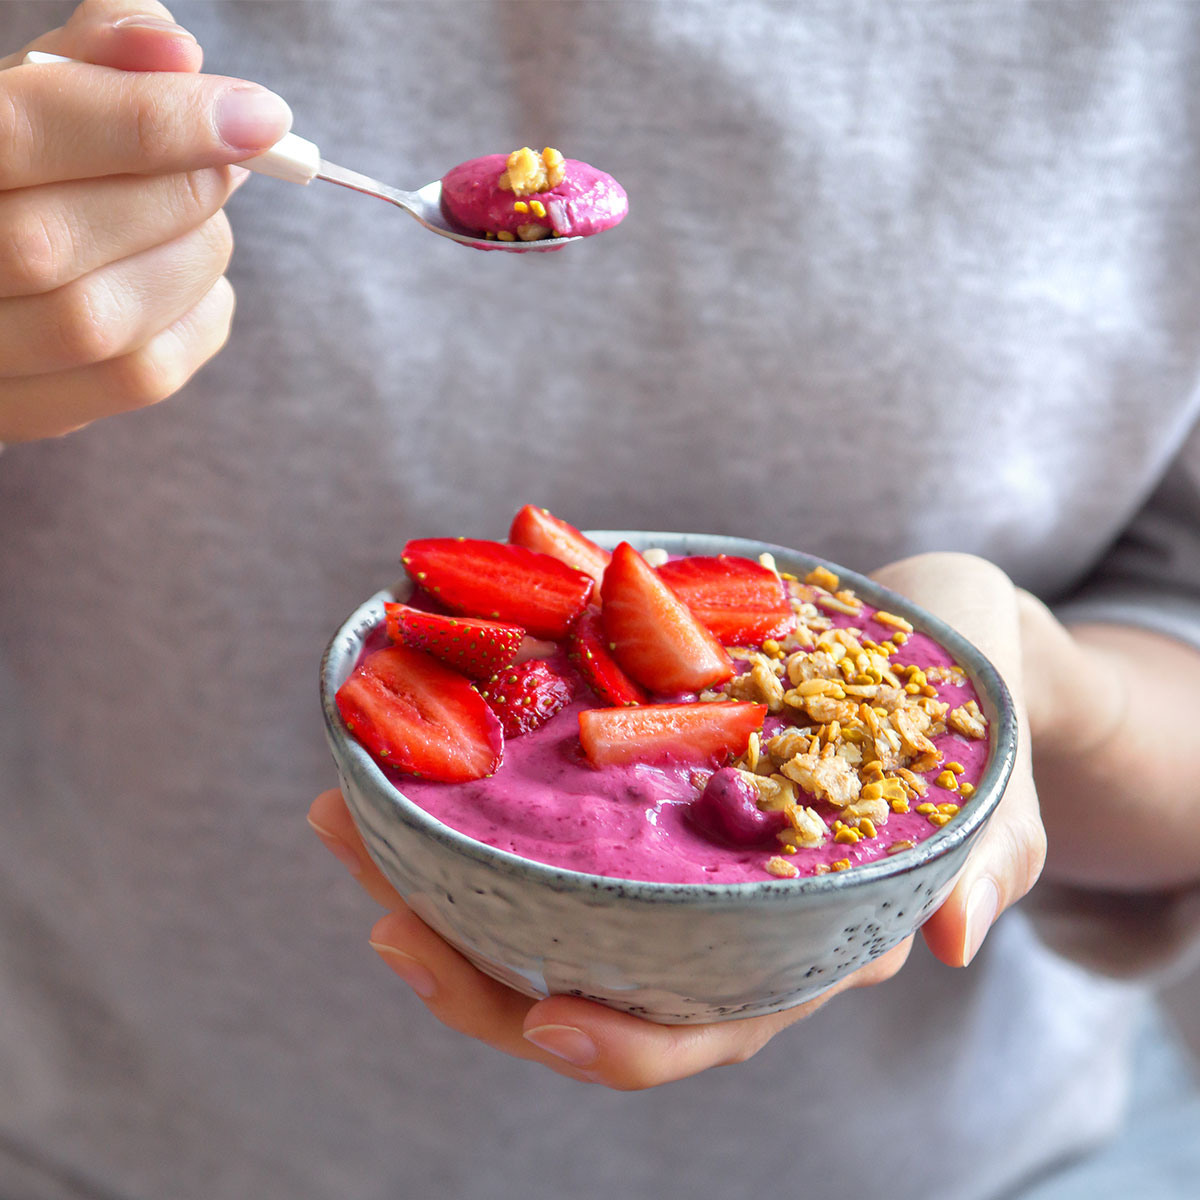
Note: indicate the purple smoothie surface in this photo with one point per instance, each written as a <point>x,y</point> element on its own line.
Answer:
<point>586,202</point>
<point>547,803</point>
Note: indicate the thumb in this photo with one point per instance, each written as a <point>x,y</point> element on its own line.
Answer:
<point>1000,870</point>
<point>131,35</point>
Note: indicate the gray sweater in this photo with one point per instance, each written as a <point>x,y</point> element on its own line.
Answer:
<point>896,277</point>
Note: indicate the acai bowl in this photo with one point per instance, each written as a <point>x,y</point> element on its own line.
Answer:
<point>707,946</point>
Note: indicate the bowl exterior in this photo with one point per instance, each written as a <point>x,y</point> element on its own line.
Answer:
<point>671,953</point>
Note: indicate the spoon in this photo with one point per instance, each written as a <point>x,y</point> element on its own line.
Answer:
<point>297,160</point>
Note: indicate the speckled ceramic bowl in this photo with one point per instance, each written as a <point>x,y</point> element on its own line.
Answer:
<point>671,952</point>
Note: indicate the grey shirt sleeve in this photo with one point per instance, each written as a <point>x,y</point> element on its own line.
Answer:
<point>1149,579</point>
<point>1151,576</point>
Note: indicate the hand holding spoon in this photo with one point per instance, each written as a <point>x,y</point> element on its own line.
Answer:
<point>297,160</point>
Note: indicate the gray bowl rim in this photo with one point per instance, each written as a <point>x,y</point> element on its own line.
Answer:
<point>346,645</point>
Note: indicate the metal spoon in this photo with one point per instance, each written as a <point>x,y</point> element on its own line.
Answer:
<point>297,160</point>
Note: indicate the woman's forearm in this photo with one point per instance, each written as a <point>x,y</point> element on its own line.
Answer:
<point>1115,723</point>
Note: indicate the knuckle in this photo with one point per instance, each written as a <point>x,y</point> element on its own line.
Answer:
<point>16,137</point>
<point>152,130</point>
<point>745,1049</point>
<point>220,238</point>
<point>164,365</point>
<point>1026,854</point>
<point>30,253</point>
<point>82,329</point>
<point>150,374</point>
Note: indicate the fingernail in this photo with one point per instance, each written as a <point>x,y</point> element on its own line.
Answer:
<point>565,1042</point>
<point>147,21</point>
<point>983,900</point>
<point>337,848</point>
<point>415,974</point>
<point>249,117</point>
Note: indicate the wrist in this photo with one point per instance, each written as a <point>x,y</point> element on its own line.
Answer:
<point>1075,691</point>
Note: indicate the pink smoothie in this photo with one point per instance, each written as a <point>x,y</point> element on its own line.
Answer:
<point>586,202</point>
<point>548,804</point>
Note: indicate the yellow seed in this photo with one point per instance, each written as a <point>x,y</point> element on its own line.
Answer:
<point>790,849</point>
<point>537,208</point>
<point>770,646</point>
<point>846,836</point>
<point>899,806</point>
<point>966,790</point>
<point>956,767</point>
<point>926,809</point>
<point>948,810</point>
<point>938,819</point>
<point>867,827</point>
<point>505,236</point>
<point>822,577</point>
<point>842,864</point>
<point>520,206</point>
<point>947,779</point>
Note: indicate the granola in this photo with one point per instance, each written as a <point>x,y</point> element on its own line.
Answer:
<point>855,726</point>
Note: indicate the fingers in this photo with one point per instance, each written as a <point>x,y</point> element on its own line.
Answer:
<point>579,1038</point>
<point>626,1053</point>
<point>61,121</point>
<point>332,823</point>
<point>52,235</point>
<point>112,311</point>
<point>53,404</point>
<point>1002,868</point>
<point>461,997</point>
<point>131,35</point>
<point>573,1037</point>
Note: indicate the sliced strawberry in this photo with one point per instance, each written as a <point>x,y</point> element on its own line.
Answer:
<point>527,695</point>
<point>692,733</point>
<point>739,601</point>
<point>476,648</point>
<point>541,530</point>
<point>593,660</point>
<point>500,582</point>
<point>653,633</point>
<point>422,718</point>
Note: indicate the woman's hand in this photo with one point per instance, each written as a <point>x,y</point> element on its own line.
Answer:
<point>587,1041</point>
<point>113,245</point>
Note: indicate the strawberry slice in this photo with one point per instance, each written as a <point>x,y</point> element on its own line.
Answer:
<point>527,695</point>
<point>653,634</point>
<point>476,648</point>
<point>593,660</point>
<point>418,716</point>
<point>693,733</point>
<point>539,529</point>
<point>500,582</point>
<point>740,601</point>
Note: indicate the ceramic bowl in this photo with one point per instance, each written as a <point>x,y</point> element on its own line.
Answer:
<point>670,952</point>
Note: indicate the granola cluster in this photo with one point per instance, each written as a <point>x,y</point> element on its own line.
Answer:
<point>526,172</point>
<point>853,729</point>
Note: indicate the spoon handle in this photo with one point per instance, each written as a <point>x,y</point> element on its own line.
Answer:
<point>292,158</point>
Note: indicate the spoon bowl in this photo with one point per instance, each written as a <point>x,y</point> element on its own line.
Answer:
<point>424,205</point>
